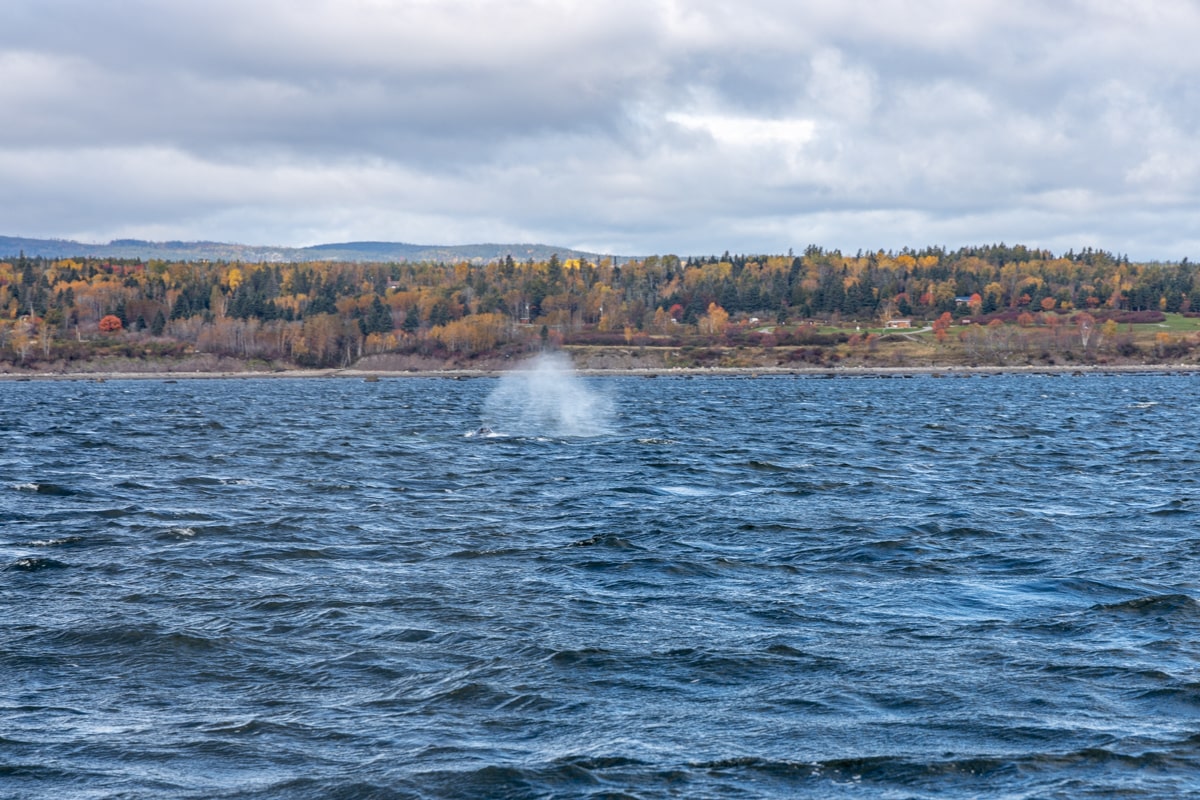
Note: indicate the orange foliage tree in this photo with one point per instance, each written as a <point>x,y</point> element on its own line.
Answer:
<point>941,325</point>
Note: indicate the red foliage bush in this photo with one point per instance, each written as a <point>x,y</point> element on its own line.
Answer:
<point>1138,317</point>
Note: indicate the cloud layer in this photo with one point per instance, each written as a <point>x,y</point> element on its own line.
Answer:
<point>629,127</point>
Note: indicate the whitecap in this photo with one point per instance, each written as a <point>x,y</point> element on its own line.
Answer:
<point>54,542</point>
<point>686,491</point>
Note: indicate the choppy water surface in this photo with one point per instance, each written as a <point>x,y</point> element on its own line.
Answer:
<point>709,587</point>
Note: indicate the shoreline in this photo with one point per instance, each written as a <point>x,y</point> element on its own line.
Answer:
<point>646,372</point>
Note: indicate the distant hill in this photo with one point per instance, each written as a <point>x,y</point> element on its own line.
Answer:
<point>12,246</point>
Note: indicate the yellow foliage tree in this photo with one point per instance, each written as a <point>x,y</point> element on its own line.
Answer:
<point>474,334</point>
<point>715,321</point>
<point>1161,341</point>
<point>1108,331</point>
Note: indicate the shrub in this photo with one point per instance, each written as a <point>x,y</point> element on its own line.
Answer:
<point>1138,317</point>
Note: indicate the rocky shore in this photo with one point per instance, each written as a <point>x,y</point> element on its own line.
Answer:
<point>826,372</point>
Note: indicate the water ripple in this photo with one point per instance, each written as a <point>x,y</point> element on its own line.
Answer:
<point>702,587</point>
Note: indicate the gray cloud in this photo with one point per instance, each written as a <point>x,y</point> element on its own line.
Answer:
<point>628,126</point>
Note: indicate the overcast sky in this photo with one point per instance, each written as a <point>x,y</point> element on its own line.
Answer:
<point>623,126</point>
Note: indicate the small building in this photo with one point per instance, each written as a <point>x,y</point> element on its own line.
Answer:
<point>898,323</point>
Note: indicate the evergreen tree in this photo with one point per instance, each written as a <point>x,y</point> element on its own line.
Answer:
<point>378,318</point>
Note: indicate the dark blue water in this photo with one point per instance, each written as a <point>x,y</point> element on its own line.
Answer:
<point>725,587</point>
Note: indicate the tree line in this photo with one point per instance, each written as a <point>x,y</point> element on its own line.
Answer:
<point>332,313</point>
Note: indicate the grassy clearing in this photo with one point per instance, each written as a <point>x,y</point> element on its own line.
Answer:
<point>1175,323</point>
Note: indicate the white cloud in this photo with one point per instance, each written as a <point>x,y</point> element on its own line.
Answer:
<point>675,125</point>
<point>743,132</point>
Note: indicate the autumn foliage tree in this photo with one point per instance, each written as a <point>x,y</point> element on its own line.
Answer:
<point>941,325</point>
<point>1086,324</point>
<point>325,313</point>
<point>1161,341</point>
<point>715,321</point>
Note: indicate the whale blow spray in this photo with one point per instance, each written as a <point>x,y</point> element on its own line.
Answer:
<point>544,397</point>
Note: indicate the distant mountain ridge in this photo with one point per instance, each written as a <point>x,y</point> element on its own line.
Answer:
<point>13,246</point>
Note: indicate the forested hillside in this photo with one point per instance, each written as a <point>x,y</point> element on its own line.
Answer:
<point>325,313</point>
